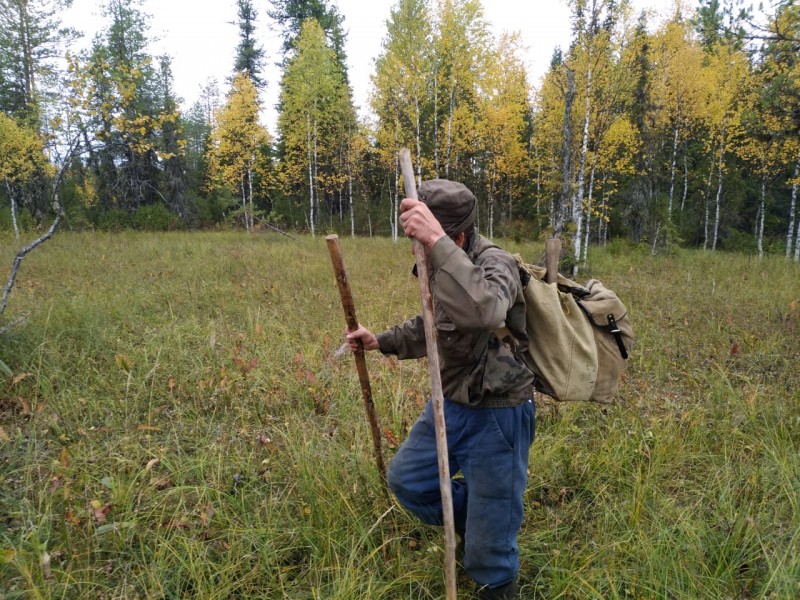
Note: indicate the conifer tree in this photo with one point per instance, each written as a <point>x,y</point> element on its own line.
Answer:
<point>249,55</point>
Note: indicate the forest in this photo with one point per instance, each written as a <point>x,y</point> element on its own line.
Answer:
<point>681,133</point>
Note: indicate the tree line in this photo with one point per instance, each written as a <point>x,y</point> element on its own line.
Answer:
<point>684,132</point>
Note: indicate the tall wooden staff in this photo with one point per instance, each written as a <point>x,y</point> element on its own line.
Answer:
<point>335,250</point>
<point>437,396</point>
<point>552,252</point>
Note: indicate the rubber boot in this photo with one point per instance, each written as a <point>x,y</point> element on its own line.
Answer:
<point>508,591</point>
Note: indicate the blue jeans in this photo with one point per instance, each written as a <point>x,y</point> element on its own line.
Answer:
<point>490,447</point>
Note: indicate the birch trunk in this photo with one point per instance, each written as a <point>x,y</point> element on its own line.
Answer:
<point>719,192</point>
<point>559,213</point>
<point>250,216</point>
<point>685,180</point>
<point>655,240</point>
<point>577,203</point>
<point>588,215</point>
<point>449,135</point>
<point>672,169</point>
<point>316,168</point>
<point>491,205</point>
<point>762,210</point>
<point>436,123</point>
<point>396,207</point>
<point>707,198</point>
<point>797,243</point>
<point>13,209</point>
<point>418,141</point>
<point>244,205</point>
<point>792,213</point>
<point>310,176</point>
<point>350,192</point>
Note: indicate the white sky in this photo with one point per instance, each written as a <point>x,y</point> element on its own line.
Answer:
<point>201,37</point>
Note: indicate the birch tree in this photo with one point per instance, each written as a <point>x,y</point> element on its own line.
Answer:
<point>21,158</point>
<point>239,155</point>
<point>316,115</point>
<point>461,45</point>
<point>401,83</point>
<point>501,127</point>
<point>730,70</point>
<point>593,22</point>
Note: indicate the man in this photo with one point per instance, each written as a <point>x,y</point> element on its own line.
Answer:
<point>487,387</point>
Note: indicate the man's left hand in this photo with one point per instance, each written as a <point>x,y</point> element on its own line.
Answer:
<point>418,222</point>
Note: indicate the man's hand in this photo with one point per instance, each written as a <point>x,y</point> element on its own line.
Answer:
<point>368,339</point>
<point>418,222</point>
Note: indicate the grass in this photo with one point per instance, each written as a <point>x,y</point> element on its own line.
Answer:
<point>177,426</point>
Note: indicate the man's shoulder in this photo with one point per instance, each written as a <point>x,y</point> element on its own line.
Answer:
<point>484,248</point>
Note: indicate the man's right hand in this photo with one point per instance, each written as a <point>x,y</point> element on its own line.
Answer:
<point>368,339</point>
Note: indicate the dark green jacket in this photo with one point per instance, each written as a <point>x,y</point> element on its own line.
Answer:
<point>475,292</point>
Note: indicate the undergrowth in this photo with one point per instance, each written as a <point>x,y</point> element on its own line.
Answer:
<point>178,424</point>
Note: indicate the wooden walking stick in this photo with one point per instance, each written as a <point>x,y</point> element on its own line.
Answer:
<point>335,250</point>
<point>552,252</point>
<point>437,395</point>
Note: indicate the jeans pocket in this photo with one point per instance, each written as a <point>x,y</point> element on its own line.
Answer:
<point>503,425</point>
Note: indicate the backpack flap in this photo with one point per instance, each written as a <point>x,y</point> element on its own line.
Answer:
<point>562,347</point>
<point>613,335</point>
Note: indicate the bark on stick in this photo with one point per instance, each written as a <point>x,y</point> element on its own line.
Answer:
<point>335,250</point>
<point>552,252</point>
<point>437,395</point>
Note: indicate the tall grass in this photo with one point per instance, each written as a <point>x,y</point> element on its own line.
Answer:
<point>178,426</point>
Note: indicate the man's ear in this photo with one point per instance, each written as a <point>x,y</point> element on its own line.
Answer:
<point>460,239</point>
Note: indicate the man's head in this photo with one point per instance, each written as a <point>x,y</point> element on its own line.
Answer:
<point>453,205</point>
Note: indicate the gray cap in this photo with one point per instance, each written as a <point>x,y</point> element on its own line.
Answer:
<point>451,202</point>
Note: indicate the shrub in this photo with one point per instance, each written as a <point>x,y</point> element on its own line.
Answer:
<point>154,217</point>
<point>113,219</point>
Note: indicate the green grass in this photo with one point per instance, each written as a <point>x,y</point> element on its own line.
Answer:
<point>177,426</point>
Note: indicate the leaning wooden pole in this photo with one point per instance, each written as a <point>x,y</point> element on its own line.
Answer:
<point>437,395</point>
<point>335,250</point>
<point>552,253</point>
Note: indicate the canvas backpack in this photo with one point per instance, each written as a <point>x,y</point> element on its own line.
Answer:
<point>580,336</point>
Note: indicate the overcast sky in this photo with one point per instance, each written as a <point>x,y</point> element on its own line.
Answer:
<point>201,36</point>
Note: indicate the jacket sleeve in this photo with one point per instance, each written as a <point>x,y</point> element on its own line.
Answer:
<point>406,340</point>
<point>474,297</point>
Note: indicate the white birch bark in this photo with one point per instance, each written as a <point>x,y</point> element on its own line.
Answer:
<point>577,202</point>
<point>436,122</point>
<point>672,168</point>
<point>707,198</point>
<point>251,215</point>
<point>244,205</point>
<point>655,240</point>
<point>396,207</point>
<point>418,133</point>
<point>310,176</point>
<point>588,215</point>
<point>762,210</point>
<point>719,192</point>
<point>316,169</point>
<point>350,192</point>
<point>797,243</point>
<point>685,180</point>
<point>13,209</point>
<point>491,205</point>
<point>449,134</point>
<point>792,214</point>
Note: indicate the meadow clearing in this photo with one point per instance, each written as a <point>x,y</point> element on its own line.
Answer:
<point>176,425</point>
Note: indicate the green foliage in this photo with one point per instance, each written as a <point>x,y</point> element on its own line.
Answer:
<point>249,55</point>
<point>112,219</point>
<point>176,424</point>
<point>154,217</point>
<point>740,241</point>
